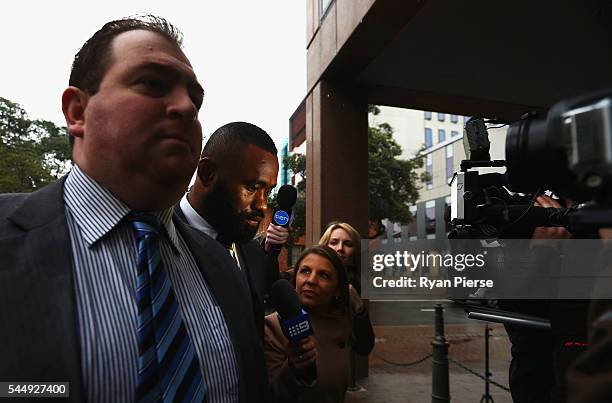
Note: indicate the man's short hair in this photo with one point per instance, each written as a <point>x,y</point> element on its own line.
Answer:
<point>232,137</point>
<point>93,59</point>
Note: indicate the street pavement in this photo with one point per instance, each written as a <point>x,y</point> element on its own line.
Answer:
<point>404,331</point>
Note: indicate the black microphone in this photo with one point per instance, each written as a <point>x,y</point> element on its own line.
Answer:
<point>286,197</point>
<point>294,321</point>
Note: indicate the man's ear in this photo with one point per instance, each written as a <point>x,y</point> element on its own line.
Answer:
<point>74,102</point>
<point>207,171</point>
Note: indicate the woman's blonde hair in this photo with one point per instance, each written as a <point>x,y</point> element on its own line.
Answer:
<point>355,237</point>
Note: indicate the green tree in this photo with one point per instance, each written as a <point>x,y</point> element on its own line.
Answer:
<point>32,152</point>
<point>393,182</point>
<point>297,166</point>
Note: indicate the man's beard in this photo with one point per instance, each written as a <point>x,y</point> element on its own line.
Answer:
<point>222,215</point>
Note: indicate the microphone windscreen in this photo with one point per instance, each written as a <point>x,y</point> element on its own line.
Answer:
<point>287,195</point>
<point>284,299</point>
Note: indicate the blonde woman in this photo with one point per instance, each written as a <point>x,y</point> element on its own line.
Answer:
<point>346,241</point>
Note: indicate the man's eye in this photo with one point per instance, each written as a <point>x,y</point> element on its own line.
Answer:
<point>153,84</point>
<point>197,101</point>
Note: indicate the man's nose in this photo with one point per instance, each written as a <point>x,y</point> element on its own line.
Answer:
<point>181,106</point>
<point>260,202</point>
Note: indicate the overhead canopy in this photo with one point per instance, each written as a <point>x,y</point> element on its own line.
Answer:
<point>465,56</point>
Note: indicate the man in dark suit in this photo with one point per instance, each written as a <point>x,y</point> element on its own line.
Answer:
<point>100,285</point>
<point>236,173</point>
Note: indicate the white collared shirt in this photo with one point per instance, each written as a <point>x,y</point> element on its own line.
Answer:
<point>198,222</point>
<point>104,252</point>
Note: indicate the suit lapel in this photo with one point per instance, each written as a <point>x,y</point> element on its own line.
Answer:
<point>44,288</point>
<point>222,275</point>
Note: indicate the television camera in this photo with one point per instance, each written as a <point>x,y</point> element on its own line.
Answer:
<point>569,152</point>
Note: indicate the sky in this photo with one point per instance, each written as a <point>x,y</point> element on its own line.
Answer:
<point>250,56</point>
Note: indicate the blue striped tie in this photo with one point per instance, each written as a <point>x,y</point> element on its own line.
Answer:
<point>168,369</point>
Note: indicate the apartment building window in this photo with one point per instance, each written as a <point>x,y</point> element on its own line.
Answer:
<point>450,169</point>
<point>427,115</point>
<point>454,133</point>
<point>428,138</point>
<point>411,228</point>
<point>429,169</point>
<point>441,135</point>
<point>454,118</point>
<point>430,219</point>
<point>440,117</point>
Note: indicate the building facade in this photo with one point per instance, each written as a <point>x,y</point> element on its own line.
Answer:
<point>438,136</point>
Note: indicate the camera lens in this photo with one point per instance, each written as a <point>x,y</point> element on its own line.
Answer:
<point>535,157</point>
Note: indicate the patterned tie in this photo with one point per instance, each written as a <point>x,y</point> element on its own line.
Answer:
<point>168,369</point>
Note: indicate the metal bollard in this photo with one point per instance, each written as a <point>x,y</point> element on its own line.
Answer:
<point>440,390</point>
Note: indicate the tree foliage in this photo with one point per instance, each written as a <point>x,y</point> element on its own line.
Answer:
<point>32,152</point>
<point>393,182</point>
<point>297,166</point>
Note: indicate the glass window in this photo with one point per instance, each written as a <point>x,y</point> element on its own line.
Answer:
<point>441,135</point>
<point>450,169</point>
<point>411,228</point>
<point>429,169</point>
<point>454,133</point>
<point>428,138</point>
<point>430,218</point>
<point>454,118</point>
<point>440,117</point>
<point>427,115</point>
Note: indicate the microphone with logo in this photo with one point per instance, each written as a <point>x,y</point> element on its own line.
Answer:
<point>286,197</point>
<point>294,321</point>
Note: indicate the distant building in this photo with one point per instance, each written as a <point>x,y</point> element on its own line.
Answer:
<point>440,134</point>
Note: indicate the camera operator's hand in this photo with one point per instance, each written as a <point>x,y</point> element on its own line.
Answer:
<point>543,235</point>
<point>606,235</point>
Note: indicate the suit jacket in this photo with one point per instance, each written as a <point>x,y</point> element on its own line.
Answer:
<point>39,338</point>
<point>261,268</point>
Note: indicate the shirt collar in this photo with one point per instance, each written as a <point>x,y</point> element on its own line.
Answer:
<point>97,211</point>
<point>196,220</point>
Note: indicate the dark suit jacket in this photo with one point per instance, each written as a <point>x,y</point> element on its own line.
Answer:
<point>39,334</point>
<point>261,268</point>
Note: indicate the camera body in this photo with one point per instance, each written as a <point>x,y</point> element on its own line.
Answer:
<point>569,152</point>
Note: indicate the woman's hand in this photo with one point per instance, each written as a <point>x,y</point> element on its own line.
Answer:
<point>302,354</point>
<point>355,301</point>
